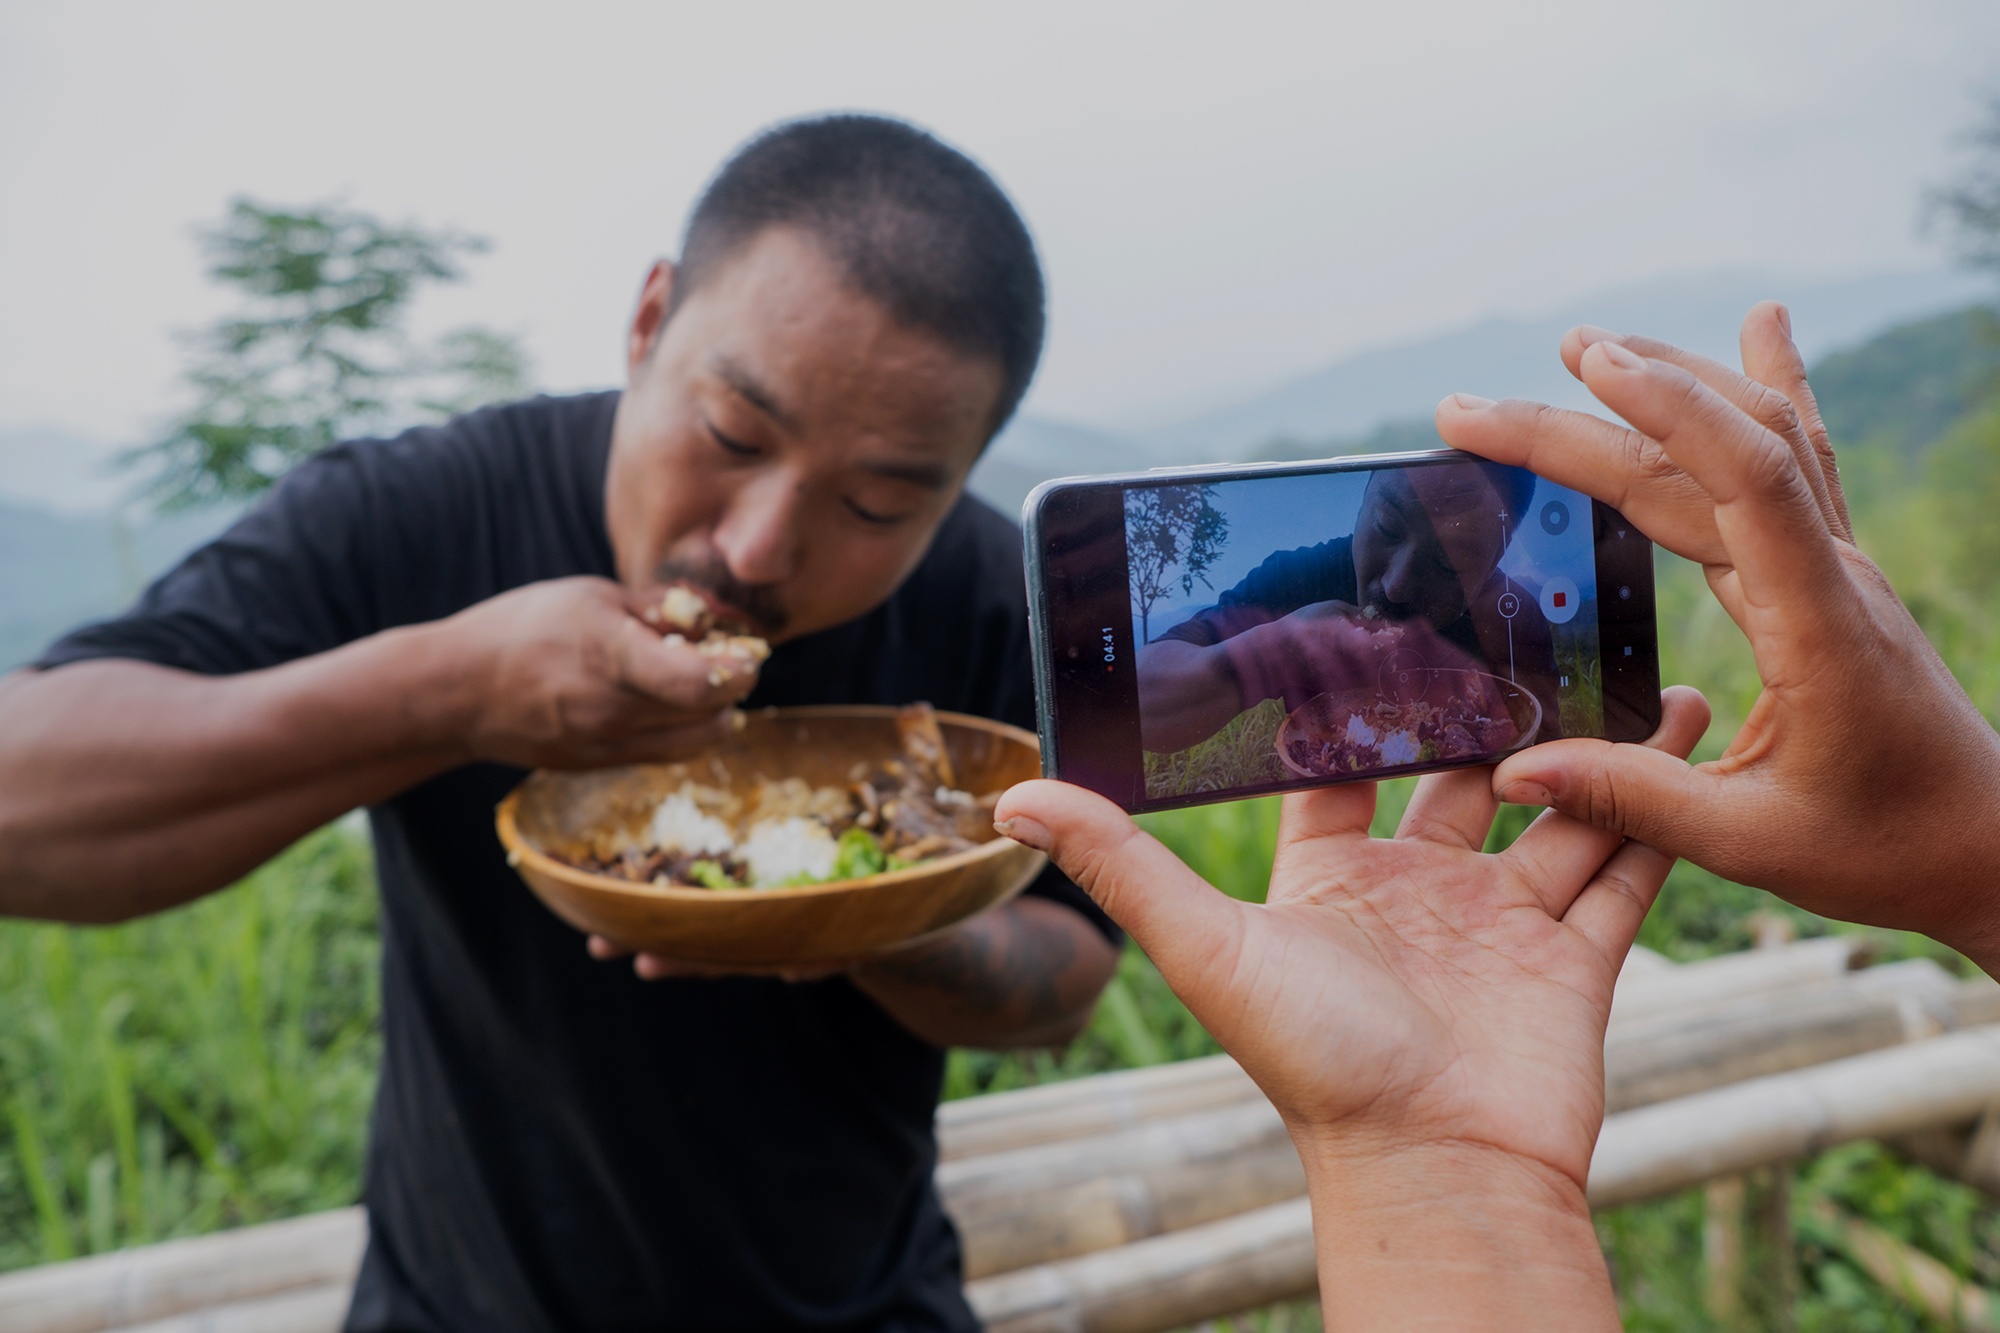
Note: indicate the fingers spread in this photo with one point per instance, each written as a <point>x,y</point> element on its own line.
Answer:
<point>1175,915</point>
<point>1558,854</point>
<point>1609,462</point>
<point>1769,521</point>
<point>1453,808</point>
<point>1771,357</point>
<point>1631,790</point>
<point>1771,388</point>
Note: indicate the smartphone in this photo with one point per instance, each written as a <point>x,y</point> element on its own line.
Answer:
<point>1208,633</point>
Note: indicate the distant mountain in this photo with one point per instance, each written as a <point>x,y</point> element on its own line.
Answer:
<point>1906,387</point>
<point>53,468</point>
<point>1033,449</point>
<point>1516,358</point>
<point>58,571</point>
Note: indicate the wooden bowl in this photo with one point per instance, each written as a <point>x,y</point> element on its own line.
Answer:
<point>807,925</point>
<point>1324,713</point>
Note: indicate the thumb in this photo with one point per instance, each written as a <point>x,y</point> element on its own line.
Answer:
<point>1174,914</point>
<point>1645,792</point>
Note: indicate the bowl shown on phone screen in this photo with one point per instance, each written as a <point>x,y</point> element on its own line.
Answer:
<point>1432,716</point>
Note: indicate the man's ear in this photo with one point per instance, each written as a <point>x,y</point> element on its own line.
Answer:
<point>651,316</point>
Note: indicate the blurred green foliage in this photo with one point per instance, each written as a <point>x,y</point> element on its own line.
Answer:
<point>199,1069</point>
<point>318,349</point>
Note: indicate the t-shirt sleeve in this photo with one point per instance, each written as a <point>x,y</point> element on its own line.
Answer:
<point>291,578</point>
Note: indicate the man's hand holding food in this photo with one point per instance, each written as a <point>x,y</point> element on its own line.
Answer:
<point>1332,646</point>
<point>581,673</point>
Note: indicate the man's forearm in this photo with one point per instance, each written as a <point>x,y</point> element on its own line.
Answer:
<point>1187,693</point>
<point>1026,974</point>
<point>1450,1236</point>
<point>127,788</point>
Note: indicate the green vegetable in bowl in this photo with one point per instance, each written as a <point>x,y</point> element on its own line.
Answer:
<point>711,875</point>
<point>858,854</point>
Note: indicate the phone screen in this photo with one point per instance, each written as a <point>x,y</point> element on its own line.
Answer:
<point>1213,634</point>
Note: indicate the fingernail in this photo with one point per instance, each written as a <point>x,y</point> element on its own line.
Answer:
<point>1592,335</point>
<point>1620,356</point>
<point>1785,320</point>
<point>1526,793</point>
<point>1028,832</point>
<point>1470,402</point>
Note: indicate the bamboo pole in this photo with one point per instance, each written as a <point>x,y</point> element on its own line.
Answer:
<point>1649,987</point>
<point>1688,987</point>
<point>1969,1154</point>
<point>1722,1244</point>
<point>1056,1201</point>
<point>1206,1271</point>
<point>1656,1150</point>
<point>1781,1254</point>
<point>1208,1136</point>
<point>1083,1107</point>
<point>1007,1232</point>
<point>1240,1263</point>
<point>1672,1055</point>
<point>154,1282</point>
<point>1908,1273</point>
<point>318,1309</point>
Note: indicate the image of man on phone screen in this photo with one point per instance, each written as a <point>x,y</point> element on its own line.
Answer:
<point>1416,582</point>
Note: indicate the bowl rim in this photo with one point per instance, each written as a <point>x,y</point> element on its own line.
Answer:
<point>1392,770</point>
<point>523,855</point>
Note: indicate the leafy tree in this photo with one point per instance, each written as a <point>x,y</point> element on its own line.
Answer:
<point>318,350</point>
<point>1971,206</point>
<point>1173,534</point>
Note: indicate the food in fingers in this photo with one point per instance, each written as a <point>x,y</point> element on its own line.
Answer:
<point>691,614</point>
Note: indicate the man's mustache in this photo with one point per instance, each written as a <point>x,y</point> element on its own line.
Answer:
<point>760,606</point>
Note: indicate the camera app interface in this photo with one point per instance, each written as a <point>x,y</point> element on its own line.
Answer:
<point>1354,623</point>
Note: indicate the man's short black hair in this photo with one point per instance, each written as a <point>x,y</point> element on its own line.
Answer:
<point>914,223</point>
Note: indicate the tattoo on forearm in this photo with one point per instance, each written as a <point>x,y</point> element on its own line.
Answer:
<point>1013,962</point>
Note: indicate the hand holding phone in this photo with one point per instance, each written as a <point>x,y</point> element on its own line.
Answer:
<point>1865,784</point>
<point>1392,992</point>
<point>1208,633</point>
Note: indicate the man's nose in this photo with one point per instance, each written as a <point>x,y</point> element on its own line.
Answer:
<point>759,534</point>
<point>1399,580</point>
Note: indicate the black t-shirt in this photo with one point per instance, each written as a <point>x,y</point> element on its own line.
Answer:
<point>555,1144</point>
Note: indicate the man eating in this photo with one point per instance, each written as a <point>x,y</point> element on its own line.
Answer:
<point>407,624</point>
<point>1416,585</point>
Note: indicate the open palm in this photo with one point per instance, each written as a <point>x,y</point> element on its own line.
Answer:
<point>1411,989</point>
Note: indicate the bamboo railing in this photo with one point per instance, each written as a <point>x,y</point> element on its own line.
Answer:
<point>1147,1199</point>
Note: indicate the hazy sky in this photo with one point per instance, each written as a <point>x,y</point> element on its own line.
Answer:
<point>1223,193</point>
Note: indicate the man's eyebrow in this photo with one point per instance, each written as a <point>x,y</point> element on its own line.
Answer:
<point>931,476</point>
<point>750,388</point>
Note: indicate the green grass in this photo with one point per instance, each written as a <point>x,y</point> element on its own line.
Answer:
<point>204,1068</point>
<point>1242,754</point>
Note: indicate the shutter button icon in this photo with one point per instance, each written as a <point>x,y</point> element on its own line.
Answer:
<point>1560,600</point>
